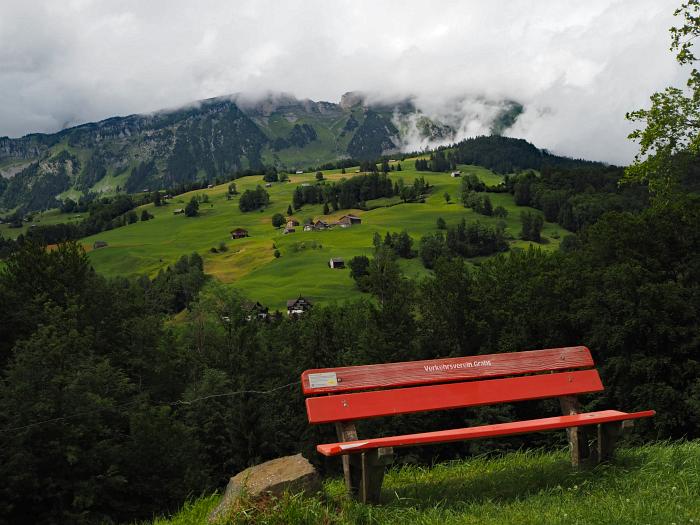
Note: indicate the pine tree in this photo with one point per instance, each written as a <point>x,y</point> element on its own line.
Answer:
<point>289,211</point>
<point>192,208</point>
<point>487,208</point>
<point>326,211</point>
<point>298,198</point>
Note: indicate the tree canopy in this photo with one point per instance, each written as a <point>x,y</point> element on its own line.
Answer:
<point>671,132</point>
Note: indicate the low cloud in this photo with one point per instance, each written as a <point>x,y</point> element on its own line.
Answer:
<point>576,67</point>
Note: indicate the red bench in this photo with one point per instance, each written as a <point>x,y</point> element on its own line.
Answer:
<point>345,395</point>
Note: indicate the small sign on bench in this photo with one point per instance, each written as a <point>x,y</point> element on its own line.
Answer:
<point>324,379</point>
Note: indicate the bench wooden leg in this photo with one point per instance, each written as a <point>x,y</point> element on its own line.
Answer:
<point>608,435</point>
<point>578,440</point>
<point>363,472</point>
<point>373,463</point>
<point>352,464</point>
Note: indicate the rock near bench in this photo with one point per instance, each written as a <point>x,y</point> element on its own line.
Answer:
<point>291,474</point>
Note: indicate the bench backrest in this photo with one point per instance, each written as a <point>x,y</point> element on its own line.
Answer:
<point>439,384</point>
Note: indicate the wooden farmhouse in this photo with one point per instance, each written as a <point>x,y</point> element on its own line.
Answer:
<point>239,233</point>
<point>256,310</point>
<point>298,306</point>
<point>349,220</point>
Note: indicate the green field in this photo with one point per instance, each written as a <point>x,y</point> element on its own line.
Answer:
<point>250,265</point>
<point>654,484</point>
<point>44,218</point>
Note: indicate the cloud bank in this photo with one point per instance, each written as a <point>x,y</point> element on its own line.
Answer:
<point>577,67</point>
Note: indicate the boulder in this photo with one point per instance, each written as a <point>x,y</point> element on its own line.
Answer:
<point>291,474</point>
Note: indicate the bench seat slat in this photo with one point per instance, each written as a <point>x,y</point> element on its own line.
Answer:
<point>500,429</point>
<point>363,405</point>
<point>367,377</point>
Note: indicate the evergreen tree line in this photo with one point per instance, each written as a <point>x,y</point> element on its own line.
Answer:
<point>499,154</point>
<point>111,412</point>
<point>7,246</point>
<point>254,199</point>
<point>438,161</point>
<point>348,193</point>
<point>575,198</point>
<point>464,239</point>
<point>400,243</point>
<point>104,214</point>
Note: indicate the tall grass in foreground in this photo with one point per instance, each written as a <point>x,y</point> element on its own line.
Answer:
<point>653,484</point>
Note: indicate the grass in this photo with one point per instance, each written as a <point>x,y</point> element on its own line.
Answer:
<point>43,218</point>
<point>249,264</point>
<point>652,484</point>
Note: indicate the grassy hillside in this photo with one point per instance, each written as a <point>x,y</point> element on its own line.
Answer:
<point>41,218</point>
<point>146,247</point>
<point>652,484</point>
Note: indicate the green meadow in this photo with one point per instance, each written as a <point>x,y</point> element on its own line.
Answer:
<point>44,218</point>
<point>249,264</point>
<point>653,484</point>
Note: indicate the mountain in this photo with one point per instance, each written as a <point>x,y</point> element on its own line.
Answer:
<point>214,139</point>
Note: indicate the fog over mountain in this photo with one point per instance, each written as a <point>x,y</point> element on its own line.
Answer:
<point>575,67</point>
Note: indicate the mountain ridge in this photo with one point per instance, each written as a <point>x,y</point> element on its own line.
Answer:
<point>217,138</point>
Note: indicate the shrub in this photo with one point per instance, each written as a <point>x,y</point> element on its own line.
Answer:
<point>278,220</point>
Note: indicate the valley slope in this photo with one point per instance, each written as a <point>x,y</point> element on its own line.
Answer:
<point>302,269</point>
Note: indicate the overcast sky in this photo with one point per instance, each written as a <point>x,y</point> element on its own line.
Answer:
<point>577,66</point>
